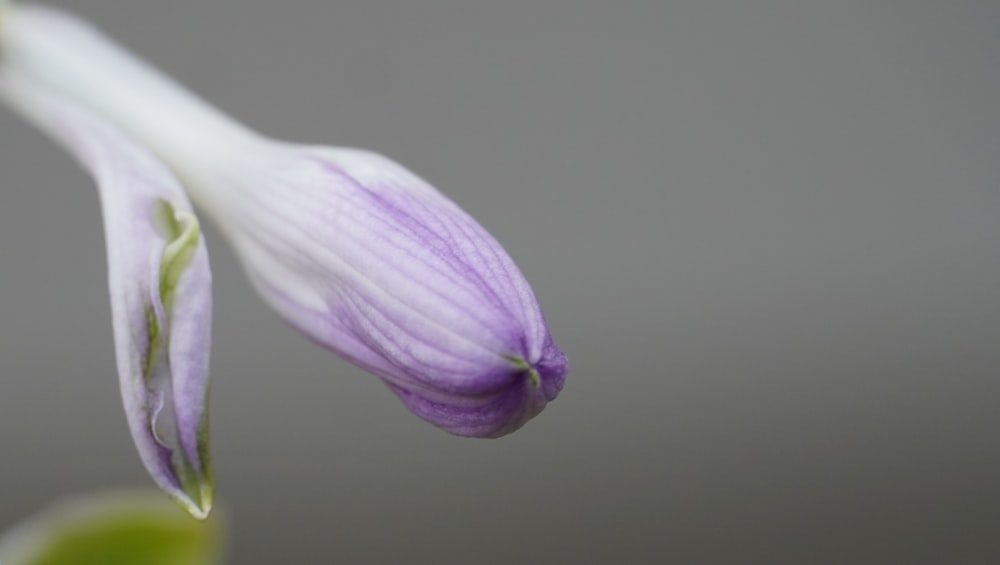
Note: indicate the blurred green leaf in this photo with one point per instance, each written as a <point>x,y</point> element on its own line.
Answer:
<point>133,528</point>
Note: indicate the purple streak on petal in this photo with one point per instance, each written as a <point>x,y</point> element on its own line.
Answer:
<point>190,347</point>
<point>552,368</point>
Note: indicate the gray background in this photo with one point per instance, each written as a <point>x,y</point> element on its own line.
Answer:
<point>765,233</point>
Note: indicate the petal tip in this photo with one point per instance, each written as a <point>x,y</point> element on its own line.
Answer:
<point>199,503</point>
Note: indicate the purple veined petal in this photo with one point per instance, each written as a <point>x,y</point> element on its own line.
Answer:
<point>160,288</point>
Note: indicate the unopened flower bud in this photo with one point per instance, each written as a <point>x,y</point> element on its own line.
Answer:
<point>160,286</point>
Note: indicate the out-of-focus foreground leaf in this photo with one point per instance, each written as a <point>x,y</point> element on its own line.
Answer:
<point>118,528</point>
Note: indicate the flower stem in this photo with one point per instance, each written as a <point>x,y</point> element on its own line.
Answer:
<point>71,57</point>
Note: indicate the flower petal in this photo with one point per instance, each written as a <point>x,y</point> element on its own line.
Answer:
<point>160,287</point>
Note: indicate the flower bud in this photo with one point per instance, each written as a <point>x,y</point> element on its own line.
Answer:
<point>160,288</point>
<point>372,262</point>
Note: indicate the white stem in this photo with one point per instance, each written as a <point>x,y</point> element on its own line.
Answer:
<point>71,57</point>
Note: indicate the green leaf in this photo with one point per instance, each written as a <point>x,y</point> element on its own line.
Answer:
<point>113,529</point>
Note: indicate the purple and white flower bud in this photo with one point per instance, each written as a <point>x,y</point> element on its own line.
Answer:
<point>351,248</point>
<point>160,288</point>
<point>372,262</point>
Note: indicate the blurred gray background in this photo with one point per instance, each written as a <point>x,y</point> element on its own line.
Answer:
<point>766,233</point>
